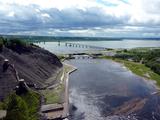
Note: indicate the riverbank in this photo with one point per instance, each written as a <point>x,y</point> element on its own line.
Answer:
<point>68,70</point>
<point>139,69</point>
<point>136,67</point>
<point>57,97</point>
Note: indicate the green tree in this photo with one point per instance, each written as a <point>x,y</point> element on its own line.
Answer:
<point>16,108</point>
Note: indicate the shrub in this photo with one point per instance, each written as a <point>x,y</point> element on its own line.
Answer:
<point>32,100</point>
<point>16,108</point>
<point>18,45</point>
<point>17,42</point>
<point>24,107</point>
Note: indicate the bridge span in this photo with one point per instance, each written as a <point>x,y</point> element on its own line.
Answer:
<point>67,44</point>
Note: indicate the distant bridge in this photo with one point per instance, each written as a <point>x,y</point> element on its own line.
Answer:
<point>83,46</point>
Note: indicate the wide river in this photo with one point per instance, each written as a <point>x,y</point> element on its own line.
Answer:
<point>61,48</point>
<point>105,90</point>
<point>100,86</point>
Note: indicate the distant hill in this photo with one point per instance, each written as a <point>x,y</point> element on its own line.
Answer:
<point>63,38</point>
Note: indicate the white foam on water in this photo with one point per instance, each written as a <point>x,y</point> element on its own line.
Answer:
<point>85,106</point>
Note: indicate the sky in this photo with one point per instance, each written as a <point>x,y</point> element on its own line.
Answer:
<point>92,18</point>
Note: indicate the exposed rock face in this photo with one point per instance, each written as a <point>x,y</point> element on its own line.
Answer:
<point>34,65</point>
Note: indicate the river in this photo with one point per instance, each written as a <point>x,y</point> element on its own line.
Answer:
<point>105,90</point>
<point>61,48</point>
<point>100,86</point>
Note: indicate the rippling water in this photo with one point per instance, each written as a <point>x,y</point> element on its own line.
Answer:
<point>99,87</point>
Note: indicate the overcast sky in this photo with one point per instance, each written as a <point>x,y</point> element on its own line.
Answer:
<point>104,18</point>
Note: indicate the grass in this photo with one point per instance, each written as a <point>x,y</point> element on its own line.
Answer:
<point>139,69</point>
<point>54,95</point>
<point>51,96</point>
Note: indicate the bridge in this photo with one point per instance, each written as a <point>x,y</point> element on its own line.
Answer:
<point>67,44</point>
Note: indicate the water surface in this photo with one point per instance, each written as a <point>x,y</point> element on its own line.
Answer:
<point>61,48</point>
<point>100,86</point>
<point>101,89</point>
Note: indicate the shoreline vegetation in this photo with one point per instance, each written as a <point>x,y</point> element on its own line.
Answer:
<point>138,69</point>
<point>54,93</point>
<point>143,62</point>
<point>57,96</point>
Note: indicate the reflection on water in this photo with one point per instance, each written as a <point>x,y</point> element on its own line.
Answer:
<point>104,90</point>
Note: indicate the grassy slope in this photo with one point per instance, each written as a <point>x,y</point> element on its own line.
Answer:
<point>55,95</point>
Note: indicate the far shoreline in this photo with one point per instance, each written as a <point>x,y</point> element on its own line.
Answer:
<point>151,81</point>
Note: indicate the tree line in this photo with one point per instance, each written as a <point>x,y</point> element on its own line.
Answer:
<point>148,56</point>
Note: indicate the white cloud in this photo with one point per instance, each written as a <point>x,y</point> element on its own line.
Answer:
<point>145,11</point>
<point>79,17</point>
<point>11,14</point>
